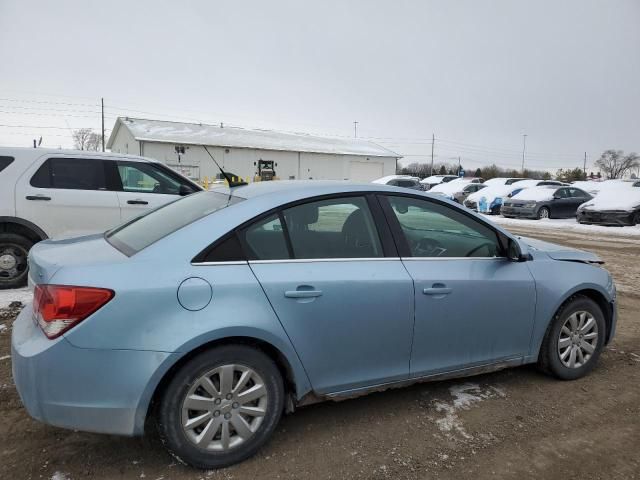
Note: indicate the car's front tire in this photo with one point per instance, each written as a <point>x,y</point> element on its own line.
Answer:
<point>544,212</point>
<point>14,250</point>
<point>221,406</point>
<point>574,339</point>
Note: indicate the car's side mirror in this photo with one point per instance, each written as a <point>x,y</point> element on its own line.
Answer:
<point>512,249</point>
<point>185,190</point>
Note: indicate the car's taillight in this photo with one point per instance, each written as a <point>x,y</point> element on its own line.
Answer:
<point>57,308</point>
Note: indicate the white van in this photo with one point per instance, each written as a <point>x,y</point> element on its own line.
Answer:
<point>66,193</point>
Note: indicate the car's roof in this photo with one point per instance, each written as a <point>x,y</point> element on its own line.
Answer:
<point>32,153</point>
<point>388,178</point>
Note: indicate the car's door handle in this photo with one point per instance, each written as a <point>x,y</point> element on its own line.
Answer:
<point>302,293</point>
<point>137,202</point>
<point>437,291</point>
<point>38,197</point>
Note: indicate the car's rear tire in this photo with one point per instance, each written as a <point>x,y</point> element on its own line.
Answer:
<point>212,382</point>
<point>544,212</point>
<point>14,250</point>
<point>574,339</point>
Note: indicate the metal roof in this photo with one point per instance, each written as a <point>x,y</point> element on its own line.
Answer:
<point>212,135</point>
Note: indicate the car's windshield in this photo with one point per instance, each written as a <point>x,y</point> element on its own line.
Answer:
<point>141,232</point>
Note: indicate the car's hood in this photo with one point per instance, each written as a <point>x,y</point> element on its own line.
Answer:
<point>560,252</point>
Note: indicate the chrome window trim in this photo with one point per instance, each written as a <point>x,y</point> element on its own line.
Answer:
<point>208,264</point>
<point>404,259</point>
<point>325,260</point>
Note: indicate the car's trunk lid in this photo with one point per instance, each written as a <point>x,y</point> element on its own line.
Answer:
<point>47,257</point>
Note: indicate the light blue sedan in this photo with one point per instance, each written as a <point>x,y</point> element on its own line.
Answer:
<point>218,312</point>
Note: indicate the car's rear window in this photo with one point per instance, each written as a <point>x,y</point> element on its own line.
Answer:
<point>142,231</point>
<point>5,162</point>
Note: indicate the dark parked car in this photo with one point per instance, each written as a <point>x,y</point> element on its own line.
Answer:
<point>617,207</point>
<point>545,202</point>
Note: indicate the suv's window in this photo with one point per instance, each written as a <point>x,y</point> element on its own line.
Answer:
<point>265,240</point>
<point>142,231</point>
<point>334,228</point>
<point>70,173</point>
<point>143,177</point>
<point>5,162</point>
<point>434,230</point>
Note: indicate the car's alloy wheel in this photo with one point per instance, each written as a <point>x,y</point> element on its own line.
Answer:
<point>220,406</point>
<point>224,407</point>
<point>543,213</point>
<point>14,251</point>
<point>578,339</point>
<point>574,339</point>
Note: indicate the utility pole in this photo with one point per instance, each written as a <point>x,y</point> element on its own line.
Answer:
<point>524,149</point>
<point>459,165</point>
<point>433,141</point>
<point>584,165</point>
<point>355,129</point>
<point>102,104</point>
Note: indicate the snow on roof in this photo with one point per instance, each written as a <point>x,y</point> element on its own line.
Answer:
<point>537,194</point>
<point>624,198</point>
<point>213,135</point>
<point>492,192</point>
<point>435,178</point>
<point>452,187</point>
<point>388,178</point>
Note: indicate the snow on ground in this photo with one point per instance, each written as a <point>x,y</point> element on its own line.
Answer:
<point>565,224</point>
<point>464,397</point>
<point>22,295</point>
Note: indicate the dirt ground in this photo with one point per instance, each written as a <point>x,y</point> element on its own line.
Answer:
<point>512,424</point>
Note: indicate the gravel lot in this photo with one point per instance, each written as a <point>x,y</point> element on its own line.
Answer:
<point>512,424</point>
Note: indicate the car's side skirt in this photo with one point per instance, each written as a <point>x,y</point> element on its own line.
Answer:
<point>315,397</point>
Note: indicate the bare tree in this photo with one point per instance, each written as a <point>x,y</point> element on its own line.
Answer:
<point>86,139</point>
<point>615,164</point>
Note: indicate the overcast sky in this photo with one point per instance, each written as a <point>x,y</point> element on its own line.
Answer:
<point>477,74</point>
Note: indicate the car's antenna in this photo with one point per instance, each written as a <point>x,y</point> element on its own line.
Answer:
<point>227,177</point>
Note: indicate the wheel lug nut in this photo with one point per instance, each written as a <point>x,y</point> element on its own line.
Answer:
<point>235,405</point>
<point>217,401</point>
<point>229,396</point>
<point>216,413</point>
<point>227,416</point>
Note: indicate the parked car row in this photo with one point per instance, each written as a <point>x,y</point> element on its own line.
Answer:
<point>614,203</point>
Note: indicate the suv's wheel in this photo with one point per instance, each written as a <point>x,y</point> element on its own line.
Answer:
<point>14,250</point>
<point>544,213</point>
<point>221,406</point>
<point>574,339</point>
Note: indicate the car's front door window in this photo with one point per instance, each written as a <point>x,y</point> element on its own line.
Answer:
<point>430,229</point>
<point>142,177</point>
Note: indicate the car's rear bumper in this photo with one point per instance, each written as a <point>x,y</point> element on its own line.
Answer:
<point>104,391</point>
<point>614,218</point>
<point>520,212</point>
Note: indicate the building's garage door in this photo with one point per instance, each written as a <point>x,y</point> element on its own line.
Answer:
<point>365,171</point>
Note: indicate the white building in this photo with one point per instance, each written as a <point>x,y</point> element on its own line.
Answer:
<point>240,151</point>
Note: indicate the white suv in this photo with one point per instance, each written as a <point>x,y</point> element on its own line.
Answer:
<point>62,193</point>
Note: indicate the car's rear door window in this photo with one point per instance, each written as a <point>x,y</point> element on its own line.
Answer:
<point>265,239</point>
<point>5,162</point>
<point>142,177</point>
<point>141,232</point>
<point>71,174</point>
<point>333,228</point>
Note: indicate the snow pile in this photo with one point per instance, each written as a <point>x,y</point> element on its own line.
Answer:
<point>622,198</point>
<point>535,194</point>
<point>566,225</point>
<point>22,295</point>
<point>451,187</point>
<point>434,179</point>
<point>496,181</point>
